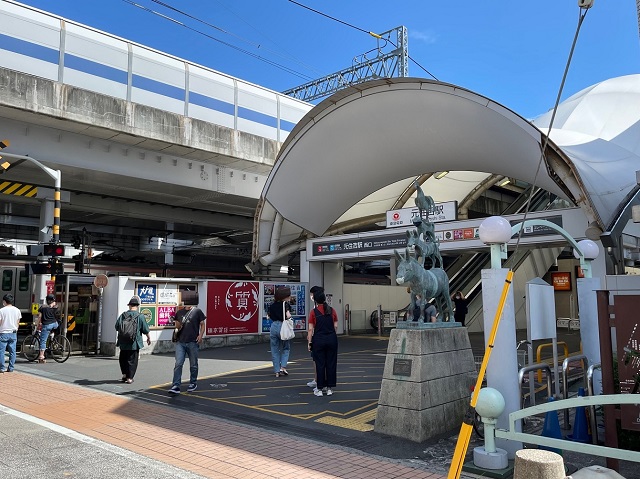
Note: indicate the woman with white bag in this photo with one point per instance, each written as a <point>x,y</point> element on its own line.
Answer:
<point>279,311</point>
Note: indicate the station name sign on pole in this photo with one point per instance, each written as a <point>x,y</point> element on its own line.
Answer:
<point>447,211</point>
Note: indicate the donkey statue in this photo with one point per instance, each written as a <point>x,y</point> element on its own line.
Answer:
<point>424,249</point>
<point>427,283</point>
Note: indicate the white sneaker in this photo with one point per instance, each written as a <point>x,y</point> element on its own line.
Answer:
<point>317,392</point>
<point>312,384</point>
<point>329,392</point>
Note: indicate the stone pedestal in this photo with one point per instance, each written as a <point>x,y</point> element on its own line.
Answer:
<point>426,382</point>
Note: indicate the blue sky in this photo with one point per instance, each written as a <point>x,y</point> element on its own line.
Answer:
<point>513,52</point>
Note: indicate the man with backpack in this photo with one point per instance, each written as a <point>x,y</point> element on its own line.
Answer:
<point>130,326</point>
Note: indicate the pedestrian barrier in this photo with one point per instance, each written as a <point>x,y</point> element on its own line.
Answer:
<point>534,367</point>
<point>592,410</point>
<point>583,448</point>
<point>548,345</point>
<point>565,380</point>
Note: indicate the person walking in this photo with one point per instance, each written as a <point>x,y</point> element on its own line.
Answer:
<point>323,341</point>
<point>48,320</point>
<point>461,308</point>
<point>10,317</point>
<point>130,326</point>
<point>279,310</point>
<point>313,383</point>
<point>190,324</point>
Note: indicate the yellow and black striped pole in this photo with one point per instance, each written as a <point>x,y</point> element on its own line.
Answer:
<point>57,177</point>
<point>465,430</point>
<point>56,213</point>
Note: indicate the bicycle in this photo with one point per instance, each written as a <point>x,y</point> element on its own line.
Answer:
<point>58,347</point>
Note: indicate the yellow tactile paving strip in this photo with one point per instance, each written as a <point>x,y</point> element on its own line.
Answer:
<point>200,444</point>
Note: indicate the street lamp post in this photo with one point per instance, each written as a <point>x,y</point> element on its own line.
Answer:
<point>496,231</point>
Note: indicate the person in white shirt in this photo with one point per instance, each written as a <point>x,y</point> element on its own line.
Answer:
<point>9,320</point>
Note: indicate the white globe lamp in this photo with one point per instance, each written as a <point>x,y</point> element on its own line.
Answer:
<point>589,249</point>
<point>495,231</point>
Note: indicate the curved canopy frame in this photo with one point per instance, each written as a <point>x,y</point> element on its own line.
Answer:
<point>356,154</point>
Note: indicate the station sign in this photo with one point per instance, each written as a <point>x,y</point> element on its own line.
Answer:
<point>360,244</point>
<point>540,230</point>
<point>446,211</point>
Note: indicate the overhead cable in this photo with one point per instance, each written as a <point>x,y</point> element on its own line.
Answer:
<point>222,30</point>
<point>581,16</point>
<point>375,35</point>
<point>242,50</point>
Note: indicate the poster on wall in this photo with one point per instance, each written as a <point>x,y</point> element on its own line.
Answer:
<point>561,281</point>
<point>159,301</point>
<point>298,304</point>
<point>232,307</point>
<point>146,292</point>
<point>149,313</point>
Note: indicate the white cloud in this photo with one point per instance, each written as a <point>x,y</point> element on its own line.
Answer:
<point>427,37</point>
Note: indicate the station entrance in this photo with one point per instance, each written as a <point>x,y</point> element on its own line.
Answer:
<point>465,257</point>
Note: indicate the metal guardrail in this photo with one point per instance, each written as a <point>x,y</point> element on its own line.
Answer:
<point>534,367</point>
<point>565,379</point>
<point>546,345</point>
<point>592,417</point>
<point>585,401</point>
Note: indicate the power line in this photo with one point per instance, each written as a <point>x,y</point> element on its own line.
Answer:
<point>335,19</point>
<point>375,35</point>
<point>545,142</point>
<point>222,30</point>
<point>274,42</point>
<point>242,50</point>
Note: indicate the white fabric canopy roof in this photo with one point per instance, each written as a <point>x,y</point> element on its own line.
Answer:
<point>356,153</point>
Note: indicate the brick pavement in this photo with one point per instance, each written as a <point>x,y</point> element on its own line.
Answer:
<point>206,446</point>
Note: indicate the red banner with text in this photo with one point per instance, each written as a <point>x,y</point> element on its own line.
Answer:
<point>232,307</point>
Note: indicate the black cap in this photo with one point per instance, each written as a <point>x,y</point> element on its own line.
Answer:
<point>134,301</point>
<point>50,298</point>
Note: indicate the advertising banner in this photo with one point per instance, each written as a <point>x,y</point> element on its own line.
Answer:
<point>298,303</point>
<point>159,301</point>
<point>232,307</point>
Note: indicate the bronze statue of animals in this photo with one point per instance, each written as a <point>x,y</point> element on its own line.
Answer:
<point>428,283</point>
<point>424,249</point>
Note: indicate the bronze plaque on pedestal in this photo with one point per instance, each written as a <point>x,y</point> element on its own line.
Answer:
<point>402,367</point>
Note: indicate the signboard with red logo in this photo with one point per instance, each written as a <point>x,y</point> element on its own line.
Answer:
<point>447,211</point>
<point>233,307</point>
<point>561,281</point>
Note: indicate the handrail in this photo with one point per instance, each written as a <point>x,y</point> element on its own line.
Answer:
<point>586,401</point>
<point>592,419</point>
<point>539,354</point>
<point>565,380</point>
<point>534,367</point>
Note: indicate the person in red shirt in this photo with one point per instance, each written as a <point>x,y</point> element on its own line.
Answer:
<point>323,342</point>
